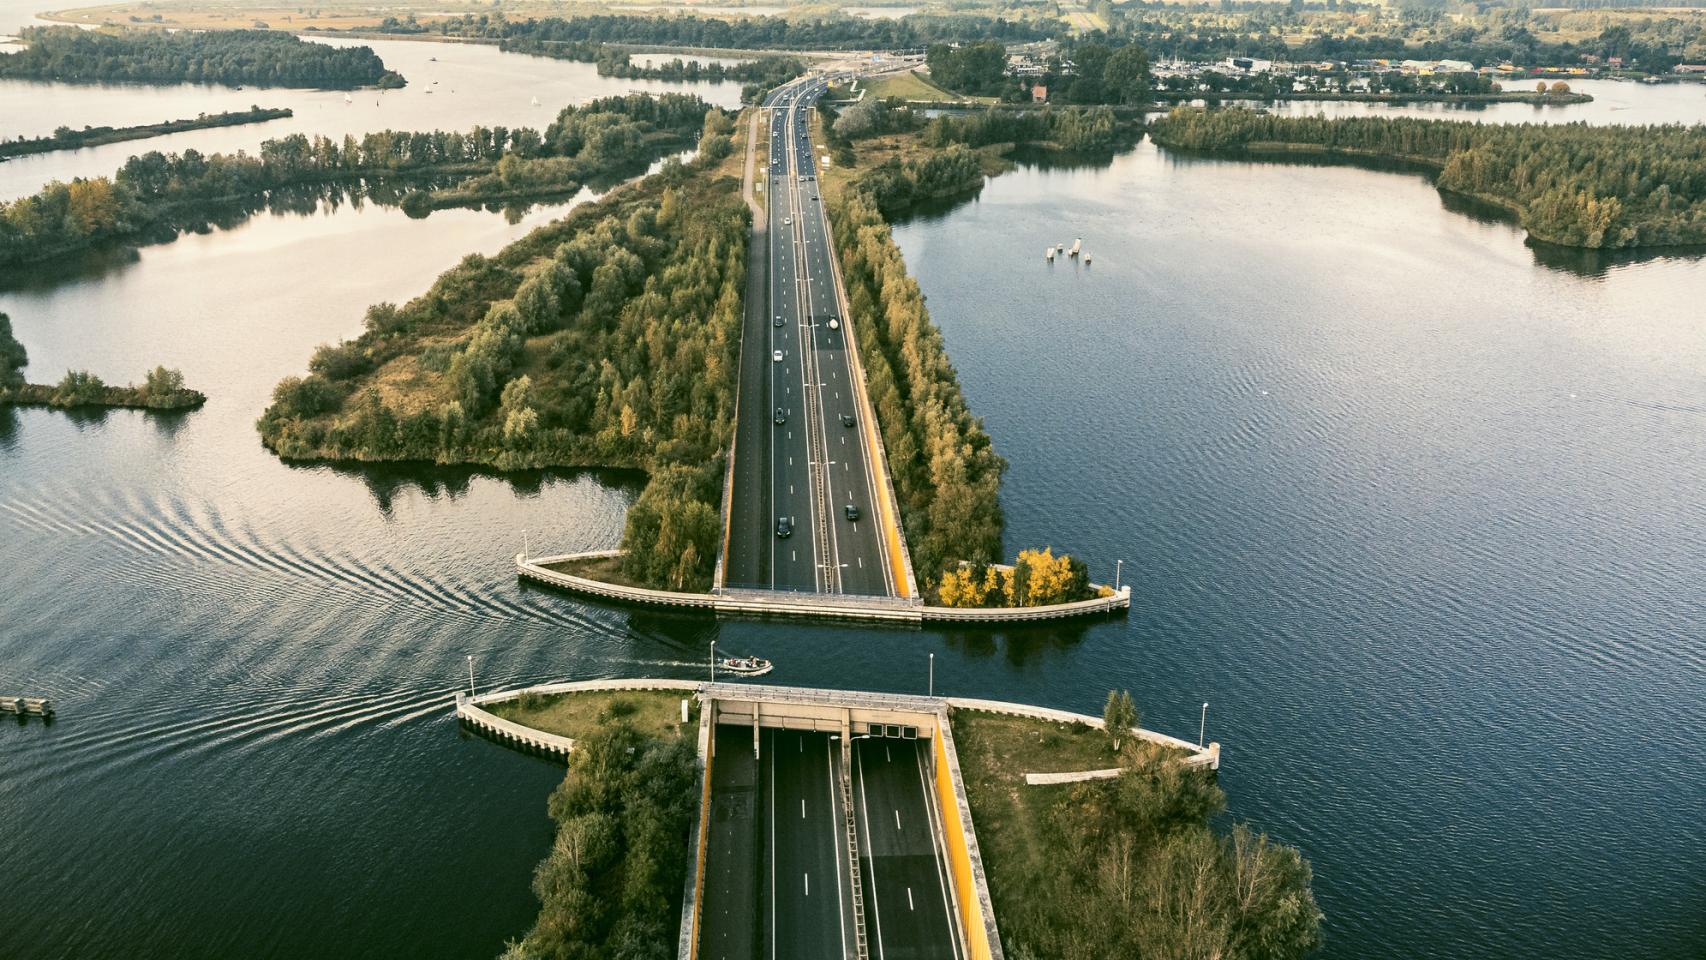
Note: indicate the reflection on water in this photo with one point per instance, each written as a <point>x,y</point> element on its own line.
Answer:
<point>1410,503</point>
<point>476,85</point>
<point>1412,508</point>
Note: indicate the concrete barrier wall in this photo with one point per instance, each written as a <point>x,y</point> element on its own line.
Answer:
<point>965,860</point>
<point>1120,600</point>
<point>693,898</point>
<point>776,604</point>
<point>535,569</point>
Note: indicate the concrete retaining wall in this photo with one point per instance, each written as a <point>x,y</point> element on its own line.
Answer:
<point>762,604</point>
<point>470,710</point>
<point>535,569</point>
<point>965,860</point>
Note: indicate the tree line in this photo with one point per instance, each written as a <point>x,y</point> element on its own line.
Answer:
<point>609,338</point>
<point>946,473</point>
<point>1569,184</point>
<point>616,62</point>
<point>1036,578</point>
<point>65,138</point>
<point>840,32</point>
<point>1081,73</point>
<point>611,884</point>
<point>156,195</point>
<point>257,57</point>
<point>161,388</point>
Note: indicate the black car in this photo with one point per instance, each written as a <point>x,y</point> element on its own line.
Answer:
<point>781,417</point>
<point>852,512</point>
<point>847,419</point>
<point>778,322</point>
<point>784,527</point>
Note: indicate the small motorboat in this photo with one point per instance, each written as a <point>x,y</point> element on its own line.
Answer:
<point>744,666</point>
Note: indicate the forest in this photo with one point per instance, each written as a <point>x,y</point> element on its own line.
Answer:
<point>155,195</point>
<point>1571,185</point>
<point>915,31</point>
<point>256,57</point>
<point>611,885</point>
<point>1098,74</point>
<point>65,138</point>
<point>946,473</point>
<point>616,62</point>
<point>609,338</point>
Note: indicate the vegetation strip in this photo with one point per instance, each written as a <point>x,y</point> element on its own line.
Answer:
<point>257,57</point>
<point>155,195</point>
<point>161,389</point>
<point>1131,865</point>
<point>604,339</point>
<point>66,138</point>
<point>1569,184</point>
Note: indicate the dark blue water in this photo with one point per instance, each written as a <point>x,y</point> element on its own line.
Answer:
<point>1417,511</point>
<point>1420,516</point>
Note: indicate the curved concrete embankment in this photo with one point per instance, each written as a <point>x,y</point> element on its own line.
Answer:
<point>471,710</point>
<point>1205,756</point>
<point>776,604</point>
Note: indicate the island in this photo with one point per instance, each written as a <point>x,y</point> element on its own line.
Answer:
<point>1569,185</point>
<point>161,389</point>
<point>234,57</point>
<point>66,138</point>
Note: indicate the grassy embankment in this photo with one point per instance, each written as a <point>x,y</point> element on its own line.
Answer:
<point>1569,185</point>
<point>1124,867</point>
<point>652,713</point>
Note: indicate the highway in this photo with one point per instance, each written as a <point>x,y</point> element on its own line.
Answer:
<point>808,908</point>
<point>729,912</point>
<point>800,450</point>
<point>907,911</point>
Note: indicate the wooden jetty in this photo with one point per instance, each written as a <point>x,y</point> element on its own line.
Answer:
<point>22,706</point>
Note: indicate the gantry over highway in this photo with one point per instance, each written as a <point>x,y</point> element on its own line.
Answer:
<point>809,508</point>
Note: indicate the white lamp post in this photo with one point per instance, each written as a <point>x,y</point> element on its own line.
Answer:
<point>1202,726</point>
<point>713,661</point>
<point>470,675</point>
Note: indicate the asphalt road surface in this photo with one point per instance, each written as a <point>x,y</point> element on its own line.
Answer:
<point>811,466</point>
<point>728,927</point>
<point>807,911</point>
<point>907,911</point>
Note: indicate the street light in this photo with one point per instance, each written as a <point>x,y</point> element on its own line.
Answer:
<point>1203,726</point>
<point>932,674</point>
<point>1117,565</point>
<point>470,675</point>
<point>713,661</point>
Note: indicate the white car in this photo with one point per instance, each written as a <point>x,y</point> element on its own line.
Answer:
<point>787,221</point>
<point>776,356</point>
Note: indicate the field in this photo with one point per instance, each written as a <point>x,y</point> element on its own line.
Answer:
<point>654,713</point>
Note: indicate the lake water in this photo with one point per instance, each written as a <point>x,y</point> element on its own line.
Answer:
<point>1417,512</point>
<point>451,87</point>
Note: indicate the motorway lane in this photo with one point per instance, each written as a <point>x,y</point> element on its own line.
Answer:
<point>808,906</point>
<point>774,474</point>
<point>906,905</point>
<point>729,928</point>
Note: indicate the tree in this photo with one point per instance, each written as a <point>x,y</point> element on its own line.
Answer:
<point>1119,716</point>
<point>1126,77</point>
<point>1560,89</point>
<point>161,384</point>
<point>13,357</point>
